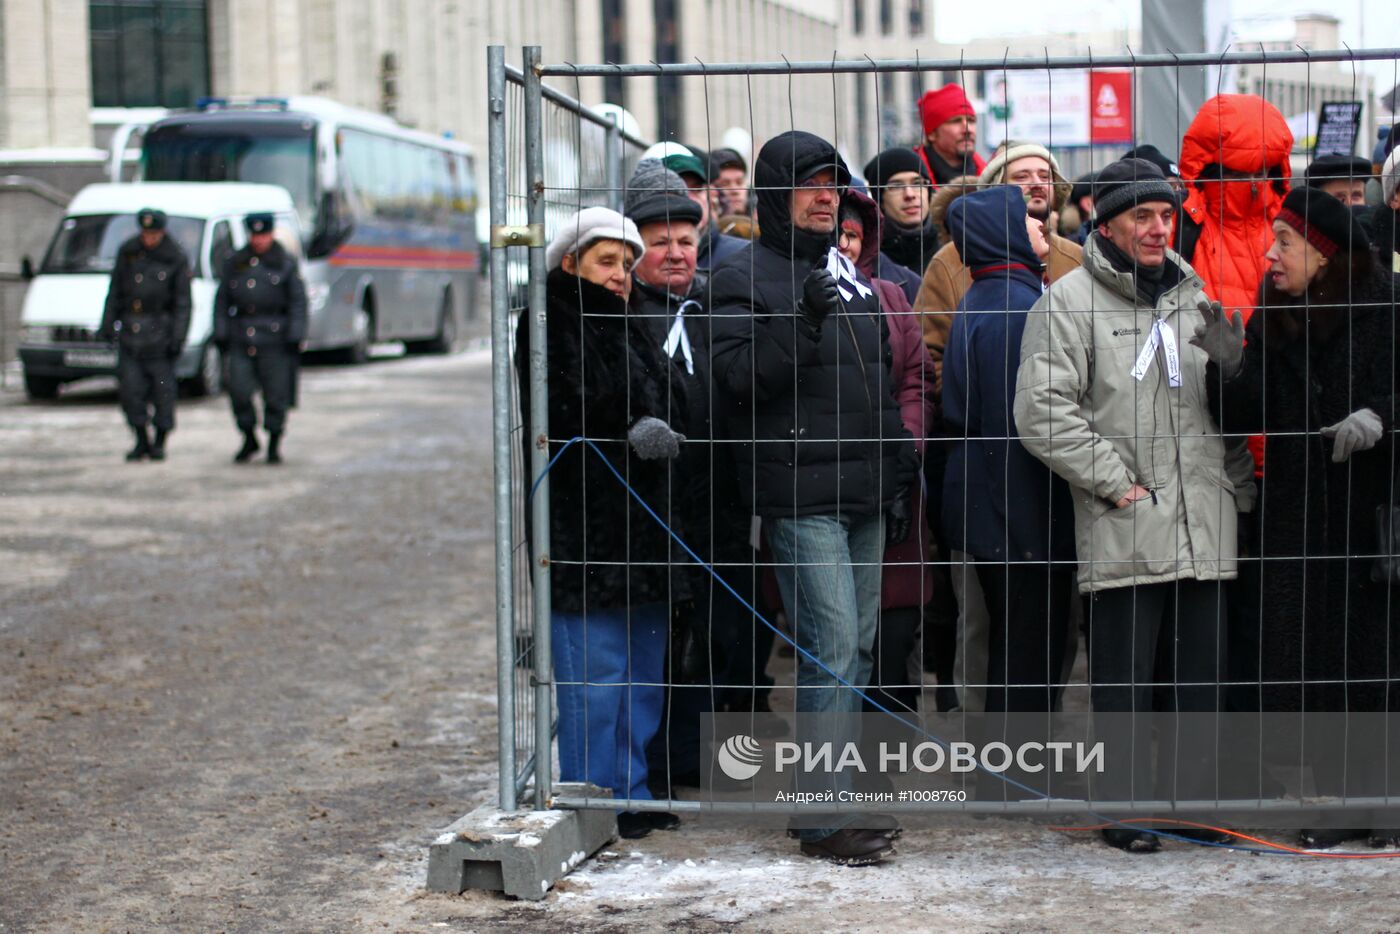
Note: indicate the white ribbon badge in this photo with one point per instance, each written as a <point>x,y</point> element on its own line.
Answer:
<point>677,337</point>
<point>1161,335</point>
<point>843,270</point>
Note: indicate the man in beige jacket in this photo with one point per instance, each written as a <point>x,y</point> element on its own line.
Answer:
<point>1112,397</point>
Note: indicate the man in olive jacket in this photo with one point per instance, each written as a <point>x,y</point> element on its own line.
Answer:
<point>1112,398</point>
<point>148,315</point>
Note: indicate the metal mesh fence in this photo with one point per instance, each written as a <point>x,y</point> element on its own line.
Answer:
<point>1047,415</point>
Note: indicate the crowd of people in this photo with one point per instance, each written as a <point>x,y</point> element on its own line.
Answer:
<point>958,414</point>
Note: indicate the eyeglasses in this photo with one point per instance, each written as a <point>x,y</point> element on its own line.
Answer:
<point>810,183</point>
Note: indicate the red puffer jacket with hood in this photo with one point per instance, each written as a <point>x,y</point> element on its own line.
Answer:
<point>1232,217</point>
<point>1236,133</point>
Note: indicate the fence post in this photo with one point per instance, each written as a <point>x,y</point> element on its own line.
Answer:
<point>612,155</point>
<point>539,424</point>
<point>501,427</point>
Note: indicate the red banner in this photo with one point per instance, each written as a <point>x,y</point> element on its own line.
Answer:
<point>1111,107</point>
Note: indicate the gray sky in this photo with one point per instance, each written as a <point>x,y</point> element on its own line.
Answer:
<point>959,20</point>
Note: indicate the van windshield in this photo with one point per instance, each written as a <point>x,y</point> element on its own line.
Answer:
<point>88,243</point>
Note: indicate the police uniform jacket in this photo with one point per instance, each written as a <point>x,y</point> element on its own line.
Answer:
<point>261,300</point>
<point>148,303</point>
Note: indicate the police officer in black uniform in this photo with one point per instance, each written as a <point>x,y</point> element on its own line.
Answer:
<point>259,323</point>
<point>148,315</point>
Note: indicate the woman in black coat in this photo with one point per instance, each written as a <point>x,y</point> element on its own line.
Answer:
<point>1317,376</point>
<point>610,589</point>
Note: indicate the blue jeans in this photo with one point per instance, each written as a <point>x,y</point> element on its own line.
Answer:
<point>608,666</point>
<point>828,570</point>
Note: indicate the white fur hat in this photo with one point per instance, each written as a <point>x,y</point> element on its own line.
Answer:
<point>587,227</point>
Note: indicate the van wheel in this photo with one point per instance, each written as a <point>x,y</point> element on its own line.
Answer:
<point>209,379</point>
<point>41,387</point>
<point>362,325</point>
<point>446,336</point>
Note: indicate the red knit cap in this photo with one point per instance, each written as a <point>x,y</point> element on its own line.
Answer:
<point>938,107</point>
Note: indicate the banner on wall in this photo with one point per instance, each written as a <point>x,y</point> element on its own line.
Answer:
<point>1075,107</point>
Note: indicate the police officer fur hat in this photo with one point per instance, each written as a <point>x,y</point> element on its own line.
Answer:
<point>150,219</point>
<point>258,223</point>
<point>1323,221</point>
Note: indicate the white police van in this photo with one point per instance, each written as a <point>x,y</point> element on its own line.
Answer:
<point>68,291</point>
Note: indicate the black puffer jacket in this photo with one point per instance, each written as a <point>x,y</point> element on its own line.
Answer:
<point>1323,618</point>
<point>605,372</point>
<point>148,302</point>
<point>819,427</point>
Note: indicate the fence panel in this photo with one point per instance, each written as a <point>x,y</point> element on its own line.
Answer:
<point>577,161</point>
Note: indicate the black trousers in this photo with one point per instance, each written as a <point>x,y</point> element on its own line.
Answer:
<point>1028,616</point>
<point>1156,648</point>
<point>890,684</point>
<point>144,383</point>
<point>271,369</point>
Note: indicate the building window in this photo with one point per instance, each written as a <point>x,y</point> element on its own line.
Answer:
<point>858,16</point>
<point>614,50</point>
<point>668,87</point>
<point>149,53</point>
<point>916,17</point>
<point>862,96</point>
<point>886,17</point>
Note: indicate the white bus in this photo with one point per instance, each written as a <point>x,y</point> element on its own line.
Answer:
<point>388,213</point>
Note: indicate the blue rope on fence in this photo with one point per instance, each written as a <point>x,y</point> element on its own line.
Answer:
<point>876,704</point>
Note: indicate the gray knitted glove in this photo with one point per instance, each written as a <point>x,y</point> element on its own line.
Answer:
<point>652,438</point>
<point>1221,339</point>
<point>1359,431</point>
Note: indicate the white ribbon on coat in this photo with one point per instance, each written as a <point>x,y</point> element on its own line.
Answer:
<point>843,270</point>
<point>677,337</point>
<point>1162,336</point>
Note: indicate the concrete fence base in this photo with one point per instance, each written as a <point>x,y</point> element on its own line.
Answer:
<point>521,853</point>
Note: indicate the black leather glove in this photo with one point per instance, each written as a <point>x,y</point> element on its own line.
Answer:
<point>819,296</point>
<point>899,519</point>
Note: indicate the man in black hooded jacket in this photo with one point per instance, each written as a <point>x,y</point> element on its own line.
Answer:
<point>801,351</point>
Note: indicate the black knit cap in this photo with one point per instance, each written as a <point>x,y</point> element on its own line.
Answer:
<point>1335,168</point>
<point>1127,183</point>
<point>891,162</point>
<point>1323,221</point>
<point>1156,157</point>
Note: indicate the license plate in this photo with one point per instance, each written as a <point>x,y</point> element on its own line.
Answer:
<point>90,358</point>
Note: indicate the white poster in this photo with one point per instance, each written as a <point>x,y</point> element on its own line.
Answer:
<point>1048,108</point>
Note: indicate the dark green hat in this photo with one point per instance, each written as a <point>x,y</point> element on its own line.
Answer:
<point>150,219</point>
<point>258,223</point>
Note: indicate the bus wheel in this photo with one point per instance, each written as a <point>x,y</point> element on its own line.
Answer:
<point>446,336</point>
<point>41,387</point>
<point>362,325</point>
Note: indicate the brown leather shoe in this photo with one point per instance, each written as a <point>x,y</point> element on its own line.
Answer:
<point>850,847</point>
